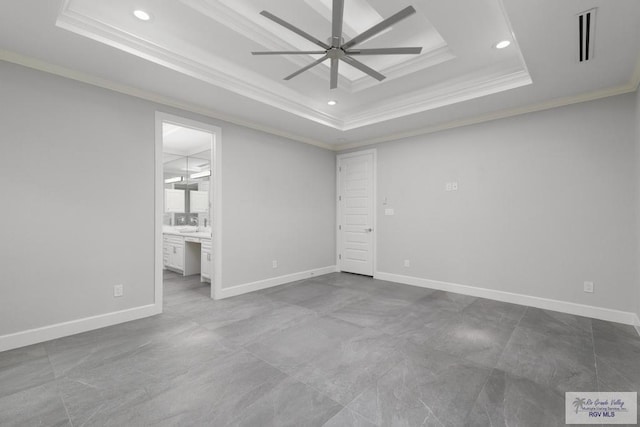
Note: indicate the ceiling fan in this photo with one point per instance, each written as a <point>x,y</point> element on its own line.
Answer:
<point>338,50</point>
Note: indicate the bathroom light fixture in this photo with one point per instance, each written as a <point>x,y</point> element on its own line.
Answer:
<point>332,102</point>
<point>141,15</point>
<point>200,174</point>
<point>502,44</point>
<point>172,180</point>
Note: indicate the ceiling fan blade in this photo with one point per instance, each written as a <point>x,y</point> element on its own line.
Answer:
<point>380,27</point>
<point>291,52</point>
<point>334,73</point>
<point>296,30</point>
<point>386,51</point>
<point>365,69</point>
<point>336,26</point>
<point>303,69</point>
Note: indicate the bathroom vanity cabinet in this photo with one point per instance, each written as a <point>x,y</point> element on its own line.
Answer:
<point>188,253</point>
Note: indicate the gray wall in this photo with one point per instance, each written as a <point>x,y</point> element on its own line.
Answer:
<point>545,202</point>
<point>638,194</point>
<point>76,159</point>
<point>278,204</point>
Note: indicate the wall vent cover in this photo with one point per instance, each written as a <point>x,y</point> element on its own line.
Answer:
<point>586,34</point>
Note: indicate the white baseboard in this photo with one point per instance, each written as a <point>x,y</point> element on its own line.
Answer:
<point>273,281</point>
<point>637,324</point>
<point>594,312</point>
<point>46,333</point>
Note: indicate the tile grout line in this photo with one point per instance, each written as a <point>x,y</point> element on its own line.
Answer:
<point>495,367</point>
<point>288,376</point>
<point>56,379</point>
<point>595,359</point>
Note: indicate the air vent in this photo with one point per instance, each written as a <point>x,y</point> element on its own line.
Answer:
<point>586,34</point>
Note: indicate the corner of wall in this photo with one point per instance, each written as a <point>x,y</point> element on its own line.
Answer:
<point>637,129</point>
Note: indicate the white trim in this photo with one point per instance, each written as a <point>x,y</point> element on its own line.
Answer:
<point>58,330</point>
<point>496,115</point>
<point>458,90</point>
<point>274,281</point>
<point>374,233</point>
<point>157,215</point>
<point>251,28</point>
<point>637,324</point>
<point>594,312</point>
<point>212,69</point>
<point>215,218</point>
<point>218,71</point>
<point>68,73</point>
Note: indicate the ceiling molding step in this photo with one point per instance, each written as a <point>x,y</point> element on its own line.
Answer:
<point>251,29</point>
<point>463,89</point>
<point>222,73</point>
<point>237,22</point>
<point>70,74</point>
<point>49,68</point>
<point>502,114</point>
<point>218,72</point>
<point>420,62</point>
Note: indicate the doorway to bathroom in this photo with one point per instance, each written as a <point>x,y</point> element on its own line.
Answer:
<point>187,210</point>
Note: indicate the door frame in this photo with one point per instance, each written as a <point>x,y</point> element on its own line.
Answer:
<point>215,196</point>
<point>374,233</point>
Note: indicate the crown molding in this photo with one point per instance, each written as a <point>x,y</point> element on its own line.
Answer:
<point>501,114</point>
<point>215,70</point>
<point>222,73</point>
<point>463,89</point>
<point>250,29</point>
<point>70,74</point>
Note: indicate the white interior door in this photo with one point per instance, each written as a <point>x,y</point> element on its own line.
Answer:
<point>356,177</point>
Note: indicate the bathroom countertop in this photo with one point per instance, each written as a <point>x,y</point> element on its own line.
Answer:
<point>197,234</point>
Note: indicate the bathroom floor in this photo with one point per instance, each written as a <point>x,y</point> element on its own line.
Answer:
<point>336,350</point>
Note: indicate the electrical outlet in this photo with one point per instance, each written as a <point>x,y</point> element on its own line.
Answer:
<point>118,290</point>
<point>588,287</point>
<point>389,212</point>
<point>448,186</point>
<point>274,263</point>
<point>407,263</point>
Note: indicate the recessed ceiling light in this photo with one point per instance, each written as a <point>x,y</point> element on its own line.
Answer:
<point>141,15</point>
<point>332,102</point>
<point>502,44</point>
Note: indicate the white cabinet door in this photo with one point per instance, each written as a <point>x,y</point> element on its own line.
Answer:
<point>178,254</point>
<point>205,263</point>
<point>173,200</point>
<point>206,260</point>
<point>166,249</point>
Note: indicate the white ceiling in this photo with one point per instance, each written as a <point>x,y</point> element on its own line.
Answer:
<point>195,54</point>
<point>182,141</point>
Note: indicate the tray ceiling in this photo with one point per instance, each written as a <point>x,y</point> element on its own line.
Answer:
<point>195,55</point>
<point>211,40</point>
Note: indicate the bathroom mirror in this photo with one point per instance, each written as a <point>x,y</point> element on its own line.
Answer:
<point>187,182</point>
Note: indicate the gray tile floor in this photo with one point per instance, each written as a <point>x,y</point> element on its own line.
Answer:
<point>336,350</point>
